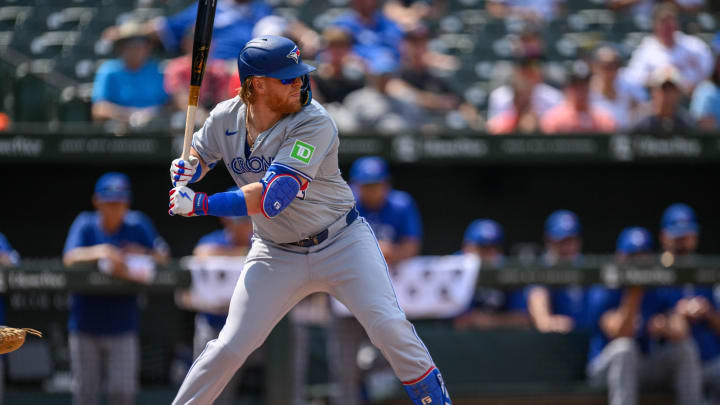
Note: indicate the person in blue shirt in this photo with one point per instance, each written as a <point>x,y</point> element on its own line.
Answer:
<point>392,214</point>
<point>698,305</point>
<point>375,36</point>
<point>635,340</point>
<point>230,241</point>
<point>9,257</point>
<point>395,220</point>
<point>705,102</point>
<point>129,89</point>
<point>559,309</point>
<point>491,308</point>
<point>104,328</point>
<point>232,28</point>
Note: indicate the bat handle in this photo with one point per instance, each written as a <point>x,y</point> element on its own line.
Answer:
<point>190,121</point>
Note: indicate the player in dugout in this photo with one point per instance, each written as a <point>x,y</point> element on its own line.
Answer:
<point>559,309</point>
<point>282,151</point>
<point>635,340</point>
<point>491,308</point>
<point>9,257</point>
<point>698,305</point>
<point>395,220</point>
<point>104,328</point>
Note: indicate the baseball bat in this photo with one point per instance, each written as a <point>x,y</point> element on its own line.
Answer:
<point>201,48</point>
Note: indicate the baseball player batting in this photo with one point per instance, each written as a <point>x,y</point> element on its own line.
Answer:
<point>281,148</point>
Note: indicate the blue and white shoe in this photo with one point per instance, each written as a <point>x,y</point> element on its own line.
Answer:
<point>429,389</point>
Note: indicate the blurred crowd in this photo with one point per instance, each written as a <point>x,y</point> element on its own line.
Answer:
<point>378,71</point>
<point>639,337</point>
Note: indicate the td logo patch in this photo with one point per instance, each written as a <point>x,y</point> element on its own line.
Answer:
<point>302,151</point>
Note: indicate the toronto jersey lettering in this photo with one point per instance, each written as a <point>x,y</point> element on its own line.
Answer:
<point>305,143</point>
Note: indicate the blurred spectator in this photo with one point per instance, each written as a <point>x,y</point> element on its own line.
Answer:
<point>559,309</point>
<point>375,36</point>
<point>395,220</point>
<point>5,121</point>
<point>690,55</point>
<point>104,328</point>
<point>610,90</point>
<point>626,322</point>
<point>411,13</point>
<point>129,89</point>
<point>577,114</point>
<point>491,308</point>
<point>642,8</point>
<point>306,38</point>
<point>698,305</point>
<point>416,84</point>
<point>232,240</point>
<point>9,257</point>
<point>520,118</point>
<point>664,113</point>
<point>371,107</point>
<point>233,25</point>
<point>214,87</point>
<point>527,83</point>
<point>533,10</point>
<point>705,104</point>
<point>340,70</point>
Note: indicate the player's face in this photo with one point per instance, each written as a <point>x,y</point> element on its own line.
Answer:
<point>112,213</point>
<point>373,195</point>
<point>679,245</point>
<point>565,249</point>
<point>490,254</point>
<point>283,98</point>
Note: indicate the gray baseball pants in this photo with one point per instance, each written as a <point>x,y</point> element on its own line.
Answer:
<point>348,265</point>
<point>623,370</point>
<point>116,357</point>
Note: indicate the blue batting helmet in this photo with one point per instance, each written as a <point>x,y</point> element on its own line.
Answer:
<point>276,57</point>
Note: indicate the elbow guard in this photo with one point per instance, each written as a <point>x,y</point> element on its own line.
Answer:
<point>278,192</point>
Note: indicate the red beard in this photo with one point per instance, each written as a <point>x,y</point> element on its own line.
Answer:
<point>283,106</point>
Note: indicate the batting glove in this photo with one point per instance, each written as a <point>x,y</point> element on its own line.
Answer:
<point>185,202</point>
<point>183,172</point>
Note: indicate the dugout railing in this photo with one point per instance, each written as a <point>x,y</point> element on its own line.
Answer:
<point>514,366</point>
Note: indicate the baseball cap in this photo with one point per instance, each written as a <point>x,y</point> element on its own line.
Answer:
<point>679,220</point>
<point>562,224</point>
<point>113,186</point>
<point>634,239</point>
<point>369,169</point>
<point>484,232</point>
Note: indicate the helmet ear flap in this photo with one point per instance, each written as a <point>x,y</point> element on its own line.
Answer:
<point>305,91</point>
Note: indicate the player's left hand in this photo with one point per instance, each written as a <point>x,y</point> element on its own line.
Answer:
<point>185,202</point>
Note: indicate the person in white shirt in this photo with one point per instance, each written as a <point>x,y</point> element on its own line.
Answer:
<point>611,91</point>
<point>528,72</point>
<point>690,55</point>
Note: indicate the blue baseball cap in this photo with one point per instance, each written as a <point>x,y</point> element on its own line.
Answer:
<point>562,224</point>
<point>679,220</point>
<point>112,187</point>
<point>634,239</point>
<point>484,232</point>
<point>370,169</point>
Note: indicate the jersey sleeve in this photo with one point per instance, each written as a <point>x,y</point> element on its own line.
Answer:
<point>77,236</point>
<point>306,146</point>
<point>412,225</point>
<point>205,142</point>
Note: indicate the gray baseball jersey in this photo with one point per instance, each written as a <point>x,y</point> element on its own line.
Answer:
<point>305,142</point>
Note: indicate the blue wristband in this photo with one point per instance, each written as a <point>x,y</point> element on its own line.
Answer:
<point>227,204</point>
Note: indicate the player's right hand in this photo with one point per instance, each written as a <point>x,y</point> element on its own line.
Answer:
<point>183,171</point>
<point>185,202</point>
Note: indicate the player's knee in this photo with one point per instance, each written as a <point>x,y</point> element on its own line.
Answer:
<point>390,329</point>
<point>624,347</point>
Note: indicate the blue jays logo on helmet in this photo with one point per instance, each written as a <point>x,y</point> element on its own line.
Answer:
<point>294,55</point>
